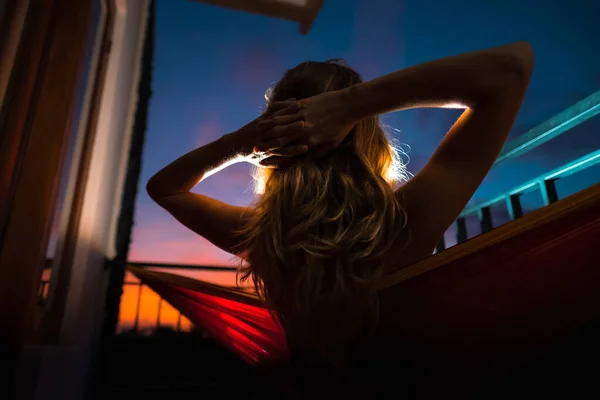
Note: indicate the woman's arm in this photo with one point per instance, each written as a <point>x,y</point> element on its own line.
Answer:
<point>214,220</point>
<point>210,218</point>
<point>491,85</point>
<point>187,171</point>
<point>467,79</point>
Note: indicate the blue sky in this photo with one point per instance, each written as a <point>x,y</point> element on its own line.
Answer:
<point>212,66</point>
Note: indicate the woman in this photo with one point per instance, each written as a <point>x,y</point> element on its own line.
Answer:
<point>330,220</point>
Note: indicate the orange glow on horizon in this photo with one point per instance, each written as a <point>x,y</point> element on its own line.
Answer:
<point>148,315</point>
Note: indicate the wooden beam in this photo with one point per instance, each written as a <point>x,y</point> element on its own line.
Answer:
<point>302,11</point>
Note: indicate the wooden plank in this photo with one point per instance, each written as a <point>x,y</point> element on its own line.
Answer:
<point>302,11</point>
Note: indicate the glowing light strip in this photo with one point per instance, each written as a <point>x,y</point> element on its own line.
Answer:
<point>572,116</point>
<point>577,165</point>
<point>523,188</point>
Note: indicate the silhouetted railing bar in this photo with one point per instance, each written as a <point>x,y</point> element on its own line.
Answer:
<point>48,264</point>
<point>181,266</point>
<point>555,126</point>
<point>441,245</point>
<point>523,189</point>
<point>137,308</point>
<point>160,300</point>
<point>548,189</point>
<point>461,229</point>
<point>513,205</point>
<point>485,219</point>
<point>136,322</point>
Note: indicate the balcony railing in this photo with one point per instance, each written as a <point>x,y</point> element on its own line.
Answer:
<point>142,309</point>
<point>545,183</point>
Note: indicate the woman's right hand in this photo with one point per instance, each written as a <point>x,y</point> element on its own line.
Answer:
<point>285,137</point>
<point>327,122</point>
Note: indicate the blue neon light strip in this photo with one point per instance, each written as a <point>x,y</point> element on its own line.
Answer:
<point>555,126</point>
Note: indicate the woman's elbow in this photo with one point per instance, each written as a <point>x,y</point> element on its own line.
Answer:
<point>153,188</point>
<point>511,68</point>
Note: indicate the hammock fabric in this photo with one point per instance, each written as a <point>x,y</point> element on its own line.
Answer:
<point>524,286</point>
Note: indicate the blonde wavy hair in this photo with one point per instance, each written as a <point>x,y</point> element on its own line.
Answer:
<point>314,241</point>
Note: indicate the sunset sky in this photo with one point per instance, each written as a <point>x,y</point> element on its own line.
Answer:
<point>212,66</point>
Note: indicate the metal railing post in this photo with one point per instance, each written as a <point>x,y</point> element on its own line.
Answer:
<point>548,189</point>
<point>137,309</point>
<point>513,204</point>
<point>461,230</point>
<point>485,219</point>
<point>441,246</point>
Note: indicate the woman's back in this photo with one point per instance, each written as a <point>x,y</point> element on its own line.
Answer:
<point>316,238</point>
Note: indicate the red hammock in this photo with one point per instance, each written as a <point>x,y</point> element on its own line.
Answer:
<point>234,317</point>
<point>523,286</point>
